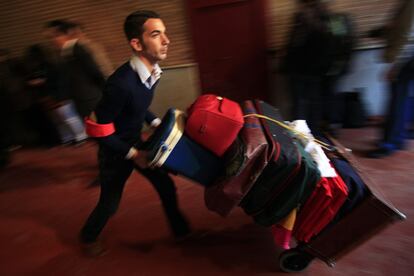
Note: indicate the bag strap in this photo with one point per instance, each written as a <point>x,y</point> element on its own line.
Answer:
<point>294,131</point>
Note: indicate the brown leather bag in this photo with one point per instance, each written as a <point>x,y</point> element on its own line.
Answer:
<point>246,158</point>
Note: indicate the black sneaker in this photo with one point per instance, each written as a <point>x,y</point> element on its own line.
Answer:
<point>181,229</point>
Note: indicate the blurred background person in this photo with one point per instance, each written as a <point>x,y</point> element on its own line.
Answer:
<point>80,80</point>
<point>80,77</point>
<point>41,84</point>
<point>318,53</point>
<point>399,38</point>
<point>15,103</point>
<point>96,50</point>
<point>53,114</point>
<point>5,109</point>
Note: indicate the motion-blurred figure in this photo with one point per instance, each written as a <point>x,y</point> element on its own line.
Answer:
<point>80,77</point>
<point>399,37</point>
<point>318,53</point>
<point>96,50</point>
<point>16,102</point>
<point>41,84</point>
<point>5,109</point>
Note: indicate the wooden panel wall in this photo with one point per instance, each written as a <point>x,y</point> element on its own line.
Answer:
<point>366,14</point>
<point>21,22</point>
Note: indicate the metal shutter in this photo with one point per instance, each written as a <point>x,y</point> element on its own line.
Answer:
<point>21,24</point>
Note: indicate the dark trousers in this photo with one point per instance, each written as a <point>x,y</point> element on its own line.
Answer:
<point>313,100</point>
<point>310,100</point>
<point>4,153</point>
<point>114,172</point>
<point>402,90</point>
<point>409,119</point>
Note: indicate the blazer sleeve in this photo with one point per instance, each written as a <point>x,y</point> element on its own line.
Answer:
<point>398,34</point>
<point>89,64</point>
<point>110,106</point>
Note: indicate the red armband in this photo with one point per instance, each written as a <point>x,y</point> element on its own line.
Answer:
<point>94,129</point>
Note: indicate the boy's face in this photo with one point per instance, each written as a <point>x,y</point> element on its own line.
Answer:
<point>153,45</point>
<point>57,38</point>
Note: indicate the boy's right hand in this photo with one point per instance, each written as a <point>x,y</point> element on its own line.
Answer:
<point>141,159</point>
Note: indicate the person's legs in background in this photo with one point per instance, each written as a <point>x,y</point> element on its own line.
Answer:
<point>394,128</point>
<point>4,152</point>
<point>314,116</point>
<point>331,107</point>
<point>71,122</point>
<point>409,119</point>
<point>307,100</point>
<point>297,86</point>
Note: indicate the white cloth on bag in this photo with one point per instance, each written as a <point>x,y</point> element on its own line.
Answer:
<point>314,149</point>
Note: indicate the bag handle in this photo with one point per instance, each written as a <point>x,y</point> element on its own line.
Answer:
<point>294,131</point>
<point>225,106</point>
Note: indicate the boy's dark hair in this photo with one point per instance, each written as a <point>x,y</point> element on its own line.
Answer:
<point>62,26</point>
<point>311,2</point>
<point>134,23</point>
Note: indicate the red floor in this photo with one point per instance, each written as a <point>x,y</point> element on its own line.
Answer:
<point>45,198</point>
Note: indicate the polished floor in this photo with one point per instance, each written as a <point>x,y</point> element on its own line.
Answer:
<point>45,197</point>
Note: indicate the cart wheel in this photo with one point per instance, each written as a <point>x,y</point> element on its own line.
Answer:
<point>294,260</point>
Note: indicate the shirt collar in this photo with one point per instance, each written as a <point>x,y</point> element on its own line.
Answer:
<point>147,78</point>
<point>68,46</point>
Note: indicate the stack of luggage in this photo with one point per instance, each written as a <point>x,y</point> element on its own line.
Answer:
<point>281,175</point>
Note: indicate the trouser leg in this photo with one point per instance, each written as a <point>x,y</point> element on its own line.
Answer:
<point>114,172</point>
<point>394,127</point>
<point>166,190</point>
<point>72,120</point>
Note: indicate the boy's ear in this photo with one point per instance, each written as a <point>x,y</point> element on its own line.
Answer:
<point>135,44</point>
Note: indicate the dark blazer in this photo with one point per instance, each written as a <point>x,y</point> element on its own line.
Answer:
<point>81,79</point>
